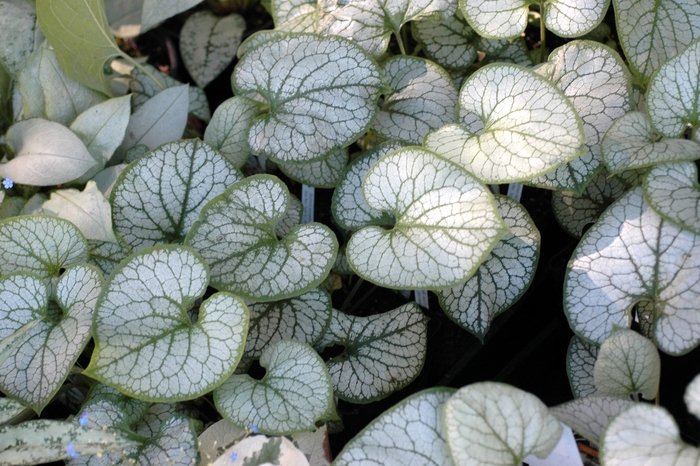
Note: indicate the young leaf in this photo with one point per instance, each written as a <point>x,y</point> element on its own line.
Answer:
<point>446,223</point>
<point>40,244</point>
<point>155,11</point>
<point>645,435</point>
<point>227,131</point>
<point>143,87</point>
<point>692,396</point>
<point>590,416</point>
<point>304,318</point>
<point>451,43</point>
<point>158,198</point>
<point>631,143</point>
<point>514,125</point>
<point>21,34</point>
<point>411,432</point>
<point>580,361</point>
<point>161,119</point>
<point>295,392</point>
<point>321,93</point>
<point>506,19</point>
<point>236,235</point>
<point>371,22</point>
<point>423,99</point>
<point>575,212</point>
<point>208,43</point>
<point>102,127</point>
<point>597,82</point>
<point>627,364</point>
<point>502,278</point>
<point>632,254</point>
<point>124,17</point>
<point>42,441</point>
<point>37,369</point>
<point>148,346</point>
<point>46,154</point>
<point>672,190</point>
<point>652,31</point>
<point>674,93</point>
<point>79,33</point>
<point>383,353</point>
<point>491,423</point>
<point>88,210</point>
<point>323,173</point>
<point>47,92</point>
<point>349,206</point>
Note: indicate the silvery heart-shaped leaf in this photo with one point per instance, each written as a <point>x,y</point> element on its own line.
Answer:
<point>321,93</point>
<point>88,210</point>
<point>294,15</point>
<point>227,131</point>
<point>652,31</point>
<point>148,345</point>
<point>58,97</point>
<point>597,82</point>
<point>36,370</point>
<point>23,300</point>
<point>292,217</point>
<point>371,22</point>
<point>574,212</point>
<point>10,343</point>
<point>208,43</point>
<point>501,279</point>
<point>43,441</point>
<point>10,409</point>
<point>46,154</point>
<point>383,353</point>
<point>506,19</point>
<point>40,244</point>
<point>155,11</point>
<point>256,39</point>
<point>174,443</point>
<point>422,99</point>
<point>590,416</point>
<point>631,142</point>
<point>627,364</point>
<point>672,190</point>
<point>160,120</point>
<point>632,254</point>
<point>446,223</point>
<point>349,207</point>
<point>295,392</point>
<point>645,435</point>
<point>157,199</point>
<point>507,51</point>
<point>580,361</point>
<point>324,173</point>
<point>673,96</point>
<point>143,87</point>
<point>692,396</point>
<point>411,432</point>
<point>514,126</point>
<point>106,178</point>
<point>451,43</point>
<point>490,423</point>
<point>106,255</point>
<point>102,127</point>
<point>304,318</point>
<point>236,235</point>
<point>21,33</point>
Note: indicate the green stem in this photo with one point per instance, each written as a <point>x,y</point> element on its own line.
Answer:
<point>543,36</point>
<point>143,68</point>
<point>351,295</point>
<point>400,41</point>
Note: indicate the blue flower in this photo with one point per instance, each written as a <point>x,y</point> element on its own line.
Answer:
<point>234,455</point>
<point>70,448</point>
<point>7,183</point>
<point>83,419</point>
<point>253,428</point>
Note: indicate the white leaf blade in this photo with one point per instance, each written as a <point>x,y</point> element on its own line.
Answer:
<point>102,127</point>
<point>46,154</point>
<point>227,131</point>
<point>590,415</point>
<point>580,361</point>
<point>672,190</point>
